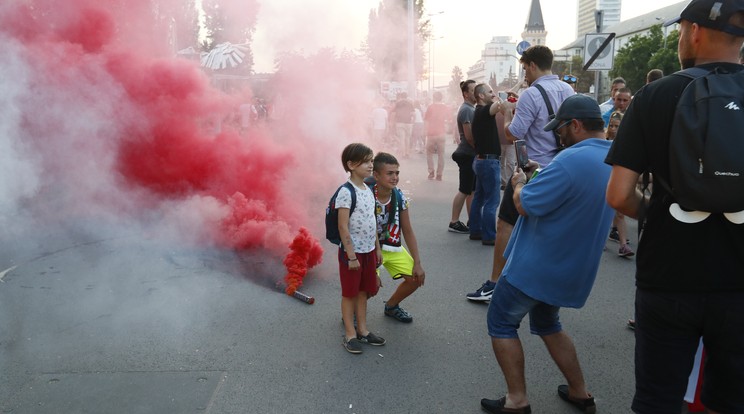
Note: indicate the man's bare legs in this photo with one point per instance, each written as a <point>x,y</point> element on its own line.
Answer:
<point>503,234</point>
<point>510,356</point>
<point>562,350</point>
<point>457,203</point>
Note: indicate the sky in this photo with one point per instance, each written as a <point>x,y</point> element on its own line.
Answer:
<point>465,26</point>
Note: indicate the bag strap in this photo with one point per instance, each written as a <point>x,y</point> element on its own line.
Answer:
<point>551,114</point>
<point>351,189</point>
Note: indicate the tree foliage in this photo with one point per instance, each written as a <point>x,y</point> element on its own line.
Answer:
<point>574,67</point>
<point>387,39</point>
<point>228,22</point>
<point>455,94</point>
<point>643,53</point>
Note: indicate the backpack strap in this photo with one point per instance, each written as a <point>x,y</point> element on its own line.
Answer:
<point>351,189</point>
<point>551,114</point>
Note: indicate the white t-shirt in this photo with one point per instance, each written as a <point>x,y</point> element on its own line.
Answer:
<point>362,222</point>
<point>379,119</point>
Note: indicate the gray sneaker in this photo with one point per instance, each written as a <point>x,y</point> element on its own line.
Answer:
<point>352,345</point>
<point>398,313</point>
<point>371,339</point>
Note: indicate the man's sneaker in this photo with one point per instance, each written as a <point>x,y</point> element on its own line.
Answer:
<point>625,251</point>
<point>371,339</point>
<point>614,235</point>
<point>352,345</point>
<point>483,293</point>
<point>459,227</point>
<point>398,313</point>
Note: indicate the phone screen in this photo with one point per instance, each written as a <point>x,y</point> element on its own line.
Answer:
<point>503,96</point>
<point>521,149</point>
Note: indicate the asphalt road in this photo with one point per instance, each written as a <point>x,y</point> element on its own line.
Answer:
<point>130,324</point>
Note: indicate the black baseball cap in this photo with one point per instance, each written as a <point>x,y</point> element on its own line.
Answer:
<point>575,107</point>
<point>713,14</point>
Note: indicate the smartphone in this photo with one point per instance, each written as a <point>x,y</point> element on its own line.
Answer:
<point>520,146</point>
<point>503,95</point>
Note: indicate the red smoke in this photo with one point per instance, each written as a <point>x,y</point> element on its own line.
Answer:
<point>304,252</point>
<point>127,131</point>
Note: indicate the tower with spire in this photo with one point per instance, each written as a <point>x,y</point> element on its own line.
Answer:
<point>534,30</point>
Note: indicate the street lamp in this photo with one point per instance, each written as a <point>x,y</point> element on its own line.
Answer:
<point>431,60</point>
<point>432,84</point>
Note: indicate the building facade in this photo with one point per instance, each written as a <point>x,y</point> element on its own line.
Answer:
<point>585,15</point>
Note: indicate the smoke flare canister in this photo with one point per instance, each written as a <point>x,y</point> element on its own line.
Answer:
<point>297,294</point>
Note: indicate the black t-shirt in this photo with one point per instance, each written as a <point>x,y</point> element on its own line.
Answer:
<point>675,256</point>
<point>485,133</point>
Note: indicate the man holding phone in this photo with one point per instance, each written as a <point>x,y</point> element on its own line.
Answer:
<point>554,257</point>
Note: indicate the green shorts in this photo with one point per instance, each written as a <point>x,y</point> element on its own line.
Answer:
<point>398,264</point>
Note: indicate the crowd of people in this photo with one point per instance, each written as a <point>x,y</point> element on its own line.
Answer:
<point>588,170</point>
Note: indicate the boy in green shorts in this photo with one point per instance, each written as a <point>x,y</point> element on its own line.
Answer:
<point>394,224</point>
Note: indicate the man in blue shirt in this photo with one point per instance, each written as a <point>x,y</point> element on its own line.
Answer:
<point>553,254</point>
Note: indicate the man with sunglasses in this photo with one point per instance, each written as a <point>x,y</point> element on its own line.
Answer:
<point>553,258</point>
<point>571,80</point>
<point>689,270</point>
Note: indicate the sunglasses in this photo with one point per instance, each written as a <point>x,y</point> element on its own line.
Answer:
<point>569,78</point>
<point>561,126</point>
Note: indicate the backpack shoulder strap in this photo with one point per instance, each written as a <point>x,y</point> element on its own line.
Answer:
<point>692,73</point>
<point>351,189</point>
<point>551,114</point>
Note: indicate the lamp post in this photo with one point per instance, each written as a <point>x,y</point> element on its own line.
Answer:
<point>431,59</point>
<point>432,83</point>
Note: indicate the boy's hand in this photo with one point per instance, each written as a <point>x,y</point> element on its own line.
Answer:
<point>354,264</point>
<point>418,274</point>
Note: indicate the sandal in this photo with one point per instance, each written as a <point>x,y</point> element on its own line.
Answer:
<point>585,405</point>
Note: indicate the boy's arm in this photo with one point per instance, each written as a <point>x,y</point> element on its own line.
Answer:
<point>410,238</point>
<point>343,231</point>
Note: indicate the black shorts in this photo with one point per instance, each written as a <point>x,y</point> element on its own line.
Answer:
<point>508,211</point>
<point>467,175</point>
<point>668,330</point>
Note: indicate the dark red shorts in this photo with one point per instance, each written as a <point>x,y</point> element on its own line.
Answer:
<point>363,279</point>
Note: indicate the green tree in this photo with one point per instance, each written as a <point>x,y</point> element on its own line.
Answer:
<point>226,21</point>
<point>387,39</point>
<point>643,53</point>
<point>574,67</point>
<point>455,94</point>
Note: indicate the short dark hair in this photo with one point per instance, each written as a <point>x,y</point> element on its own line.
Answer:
<point>383,158</point>
<point>464,85</point>
<point>654,74</point>
<point>356,153</point>
<point>593,124</point>
<point>541,55</point>
<point>625,89</point>
<point>480,88</point>
<point>618,80</point>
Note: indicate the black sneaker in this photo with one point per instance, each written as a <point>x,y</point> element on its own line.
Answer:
<point>483,293</point>
<point>614,235</point>
<point>398,313</point>
<point>371,339</point>
<point>458,227</point>
<point>352,345</point>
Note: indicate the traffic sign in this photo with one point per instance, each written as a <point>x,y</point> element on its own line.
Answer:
<point>522,46</point>
<point>604,56</point>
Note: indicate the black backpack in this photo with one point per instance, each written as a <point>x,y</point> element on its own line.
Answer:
<point>331,216</point>
<point>706,145</point>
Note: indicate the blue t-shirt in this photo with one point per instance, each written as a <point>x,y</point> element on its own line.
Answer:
<point>553,254</point>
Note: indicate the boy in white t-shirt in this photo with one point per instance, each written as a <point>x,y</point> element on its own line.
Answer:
<point>359,253</point>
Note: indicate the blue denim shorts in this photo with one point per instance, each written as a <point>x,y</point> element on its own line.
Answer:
<point>509,306</point>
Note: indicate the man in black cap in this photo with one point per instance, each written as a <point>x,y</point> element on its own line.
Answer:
<point>553,254</point>
<point>689,276</point>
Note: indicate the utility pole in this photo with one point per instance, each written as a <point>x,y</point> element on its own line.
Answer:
<point>411,69</point>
